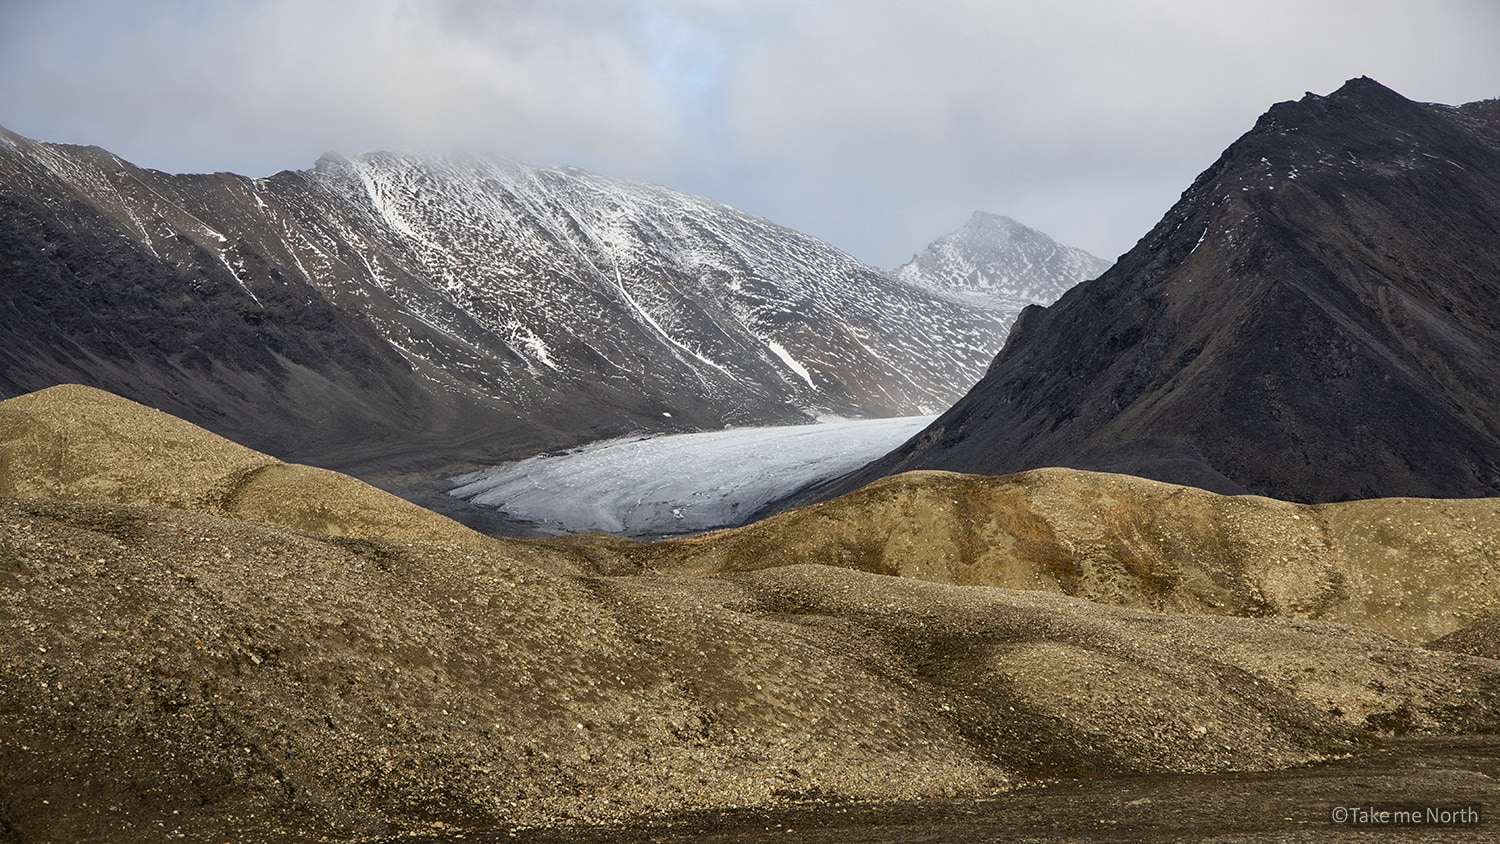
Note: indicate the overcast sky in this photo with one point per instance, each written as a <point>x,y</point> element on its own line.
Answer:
<point>876,125</point>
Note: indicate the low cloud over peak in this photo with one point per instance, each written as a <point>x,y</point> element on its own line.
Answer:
<point>876,125</point>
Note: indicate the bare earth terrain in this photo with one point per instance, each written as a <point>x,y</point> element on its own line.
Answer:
<point>200,642</point>
<point>1297,804</point>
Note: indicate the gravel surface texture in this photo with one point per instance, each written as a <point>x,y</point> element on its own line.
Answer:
<point>185,656</point>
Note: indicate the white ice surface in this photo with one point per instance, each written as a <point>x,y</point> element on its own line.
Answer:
<point>682,483</point>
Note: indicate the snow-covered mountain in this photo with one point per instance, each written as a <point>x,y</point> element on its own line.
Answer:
<point>375,311</point>
<point>998,262</point>
<point>573,277</point>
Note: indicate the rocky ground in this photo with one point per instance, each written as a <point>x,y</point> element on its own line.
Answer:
<point>1412,568</point>
<point>198,642</point>
<point>1297,804</point>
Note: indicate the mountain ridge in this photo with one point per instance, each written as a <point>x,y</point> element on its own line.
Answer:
<point>1314,320</point>
<point>397,315</point>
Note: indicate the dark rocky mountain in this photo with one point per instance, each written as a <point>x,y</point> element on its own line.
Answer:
<point>1317,319</point>
<point>379,313</point>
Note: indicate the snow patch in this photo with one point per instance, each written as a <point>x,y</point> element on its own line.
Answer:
<point>537,347</point>
<point>791,363</point>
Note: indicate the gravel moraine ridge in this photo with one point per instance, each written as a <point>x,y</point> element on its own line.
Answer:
<point>173,666</point>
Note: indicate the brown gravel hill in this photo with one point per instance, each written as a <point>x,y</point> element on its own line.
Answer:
<point>1415,569</point>
<point>172,671</point>
<point>1482,638</point>
<point>76,443</point>
<point>184,670</point>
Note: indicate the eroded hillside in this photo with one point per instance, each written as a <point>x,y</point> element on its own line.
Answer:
<point>1411,568</point>
<point>182,653</point>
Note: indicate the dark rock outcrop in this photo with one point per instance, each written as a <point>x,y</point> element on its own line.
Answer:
<point>1317,319</point>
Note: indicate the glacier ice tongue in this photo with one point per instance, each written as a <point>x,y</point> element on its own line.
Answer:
<point>683,483</point>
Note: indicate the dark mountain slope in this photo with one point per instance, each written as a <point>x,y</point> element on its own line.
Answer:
<point>1317,319</point>
<point>109,279</point>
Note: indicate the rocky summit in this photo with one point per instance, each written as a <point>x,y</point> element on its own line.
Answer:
<point>201,642</point>
<point>1316,320</point>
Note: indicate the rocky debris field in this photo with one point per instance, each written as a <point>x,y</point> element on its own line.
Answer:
<point>186,656</point>
<point>1412,568</point>
<point>1292,805</point>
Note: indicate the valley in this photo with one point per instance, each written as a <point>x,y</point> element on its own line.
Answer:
<point>1205,545</point>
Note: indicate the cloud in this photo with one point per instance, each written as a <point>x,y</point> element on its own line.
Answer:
<point>263,82</point>
<point>1082,118</point>
<point>876,124</point>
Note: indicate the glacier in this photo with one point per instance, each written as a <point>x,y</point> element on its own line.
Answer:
<point>650,486</point>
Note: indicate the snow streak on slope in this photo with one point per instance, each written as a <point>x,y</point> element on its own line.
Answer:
<point>680,484</point>
<point>674,295</point>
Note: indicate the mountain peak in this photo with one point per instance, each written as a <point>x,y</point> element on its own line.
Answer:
<point>1363,87</point>
<point>1361,94</point>
<point>331,163</point>
<point>985,224</point>
<point>995,258</point>
<point>1315,320</point>
<point>988,218</point>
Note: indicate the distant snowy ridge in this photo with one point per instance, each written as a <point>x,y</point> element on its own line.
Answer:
<point>999,262</point>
